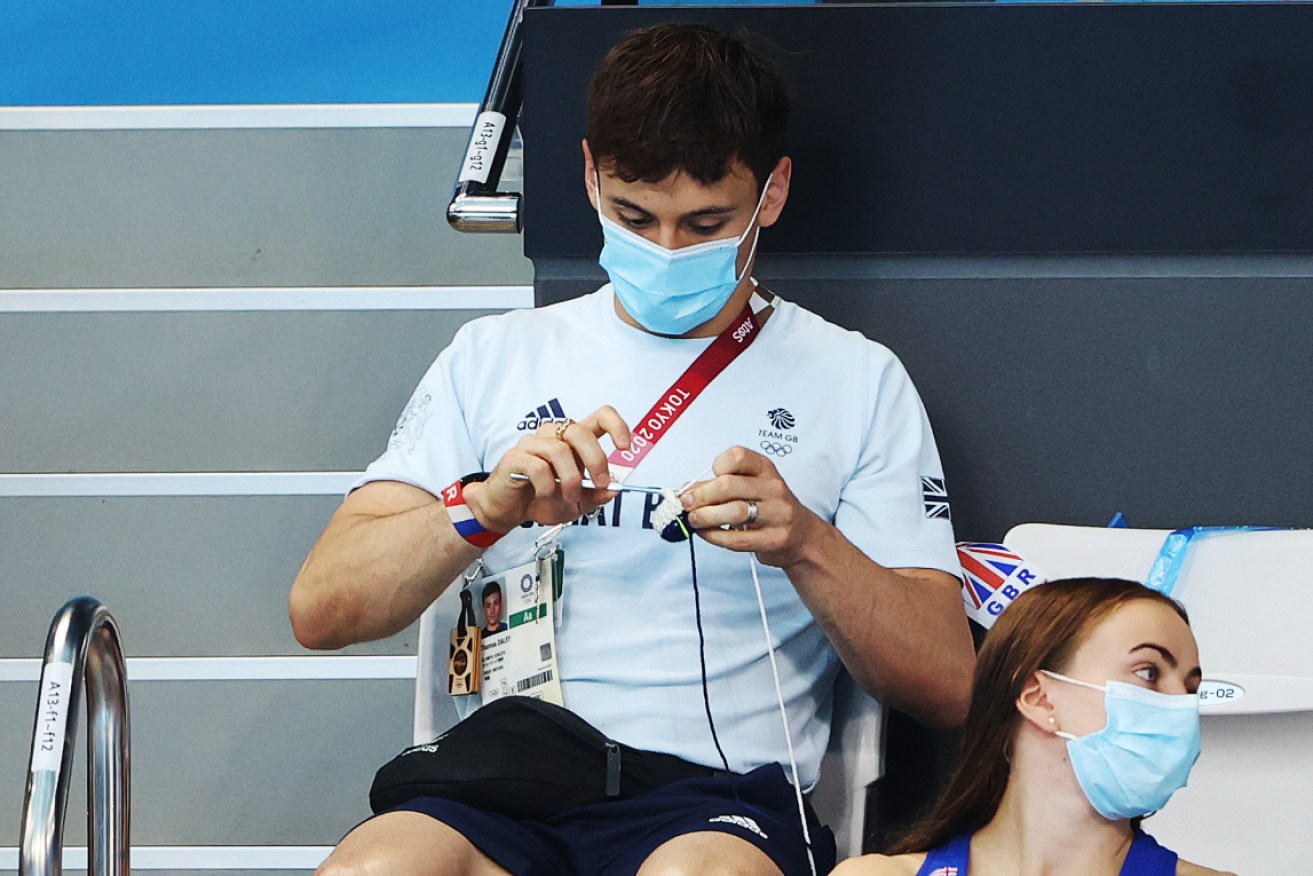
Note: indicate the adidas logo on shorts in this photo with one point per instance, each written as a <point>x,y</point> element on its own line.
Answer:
<point>739,821</point>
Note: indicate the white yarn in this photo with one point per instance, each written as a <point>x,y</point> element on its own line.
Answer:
<point>667,510</point>
<point>784,712</point>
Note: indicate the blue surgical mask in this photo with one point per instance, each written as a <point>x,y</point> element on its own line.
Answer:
<point>1142,755</point>
<point>672,291</point>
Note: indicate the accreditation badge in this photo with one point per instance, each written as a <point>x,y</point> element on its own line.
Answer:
<point>519,646</point>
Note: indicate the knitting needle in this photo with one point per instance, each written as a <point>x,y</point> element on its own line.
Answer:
<point>589,485</point>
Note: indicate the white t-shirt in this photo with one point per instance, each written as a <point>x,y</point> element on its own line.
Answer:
<point>834,411</point>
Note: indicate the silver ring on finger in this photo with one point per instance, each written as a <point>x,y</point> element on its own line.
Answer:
<point>752,515</point>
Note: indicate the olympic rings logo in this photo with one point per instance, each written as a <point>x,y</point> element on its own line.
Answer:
<point>775,448</point>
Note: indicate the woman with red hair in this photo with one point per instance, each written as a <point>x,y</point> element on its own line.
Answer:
<point>1084,719</point>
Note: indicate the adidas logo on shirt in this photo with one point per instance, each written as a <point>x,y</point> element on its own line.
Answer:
<point>548,413</point>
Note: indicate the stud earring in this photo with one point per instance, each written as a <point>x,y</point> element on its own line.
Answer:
<point>1052,720</point>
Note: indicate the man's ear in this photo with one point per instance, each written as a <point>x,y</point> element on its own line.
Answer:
<point>590,171</point>
<point>1035,706</point>
<point>777,193</point>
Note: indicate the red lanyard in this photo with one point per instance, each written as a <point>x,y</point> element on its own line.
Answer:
<point>727,347</point>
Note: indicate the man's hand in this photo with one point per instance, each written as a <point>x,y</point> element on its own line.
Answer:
<point>746,480</point>
<point>553,461</point>
<point>901,632</point>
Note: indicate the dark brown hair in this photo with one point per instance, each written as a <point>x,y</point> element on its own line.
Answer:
<point>686,97</point>
<point>1042,629</point>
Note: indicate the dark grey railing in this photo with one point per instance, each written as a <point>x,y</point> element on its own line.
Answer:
<point>83,648</point>
<point>476,205</point>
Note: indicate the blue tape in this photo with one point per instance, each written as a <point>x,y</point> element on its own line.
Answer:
<point>1166,568</point>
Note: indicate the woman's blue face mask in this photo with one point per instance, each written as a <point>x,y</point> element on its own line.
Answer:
<point>1142,755</point>
<point>672,291</point>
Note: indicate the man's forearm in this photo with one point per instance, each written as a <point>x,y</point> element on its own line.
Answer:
<point>901,634</point>
<point>370,575</point>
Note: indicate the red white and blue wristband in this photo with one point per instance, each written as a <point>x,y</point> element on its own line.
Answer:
<point>462,517</point>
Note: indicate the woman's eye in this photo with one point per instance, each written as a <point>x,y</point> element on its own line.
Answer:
<point>1148,673</point>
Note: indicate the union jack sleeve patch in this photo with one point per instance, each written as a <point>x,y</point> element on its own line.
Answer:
<point>934,496</point>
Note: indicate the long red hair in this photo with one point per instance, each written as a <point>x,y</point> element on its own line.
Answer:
<point>1040,630</point>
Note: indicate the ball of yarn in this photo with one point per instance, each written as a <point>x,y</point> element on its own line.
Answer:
<point>670,519</point>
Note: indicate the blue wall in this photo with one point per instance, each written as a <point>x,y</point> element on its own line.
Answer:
<point>78,52</point>
<point>247,51</point>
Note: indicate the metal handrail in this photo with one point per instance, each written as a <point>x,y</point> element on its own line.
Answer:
<point>476,205</point>
<point>83,647</point>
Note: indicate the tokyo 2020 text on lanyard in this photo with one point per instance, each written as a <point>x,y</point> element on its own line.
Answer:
<point>727,347</point>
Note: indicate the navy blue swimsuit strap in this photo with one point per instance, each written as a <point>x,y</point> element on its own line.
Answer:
<point>950,859</point>
<point>1147,858</point>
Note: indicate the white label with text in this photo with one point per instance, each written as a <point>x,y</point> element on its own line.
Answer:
<point>51,717</point>
<point>1219,693</point>
<point>483,146</point>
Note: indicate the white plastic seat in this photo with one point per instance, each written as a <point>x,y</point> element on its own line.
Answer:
<point>853,762</point>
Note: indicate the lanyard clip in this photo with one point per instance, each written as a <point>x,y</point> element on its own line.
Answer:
<point>545,544</point>
<point>476,571</point>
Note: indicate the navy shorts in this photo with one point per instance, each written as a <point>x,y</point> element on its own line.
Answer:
<point>614,838</point>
